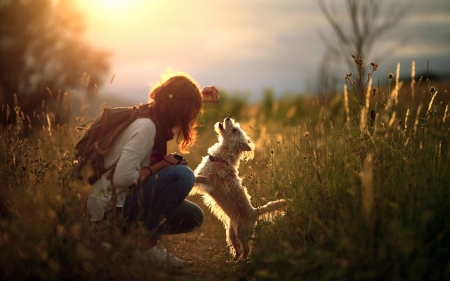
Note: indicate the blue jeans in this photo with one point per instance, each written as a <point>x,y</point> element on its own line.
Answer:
<point>160,201</point>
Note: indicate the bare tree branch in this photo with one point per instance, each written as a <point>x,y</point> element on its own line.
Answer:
<point>358,24</point>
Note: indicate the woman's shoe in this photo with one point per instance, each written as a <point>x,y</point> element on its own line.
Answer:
<point>161,257</point>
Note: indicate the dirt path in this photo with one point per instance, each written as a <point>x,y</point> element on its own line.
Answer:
<point>204,250</point>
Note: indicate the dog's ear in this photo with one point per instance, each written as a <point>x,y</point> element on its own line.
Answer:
<point>245,147</point>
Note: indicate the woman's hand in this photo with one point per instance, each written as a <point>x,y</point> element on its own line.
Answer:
<point>210,94</point>
<point>174,159</point>
<point>169,160</point>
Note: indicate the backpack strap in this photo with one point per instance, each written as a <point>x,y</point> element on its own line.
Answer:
<point>141,112</point>
<point>113,189</point>
<point>117,131</point>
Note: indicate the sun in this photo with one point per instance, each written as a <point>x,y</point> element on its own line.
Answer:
<point>114,4</point>
<point>109,6</point>
<point>107,12</point>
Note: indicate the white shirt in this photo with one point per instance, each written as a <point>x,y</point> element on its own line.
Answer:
<point>131,150</point>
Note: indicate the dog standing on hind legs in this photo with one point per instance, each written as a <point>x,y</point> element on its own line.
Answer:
<point>218,181</point>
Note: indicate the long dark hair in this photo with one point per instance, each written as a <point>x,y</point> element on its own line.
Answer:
<point>178,99</point>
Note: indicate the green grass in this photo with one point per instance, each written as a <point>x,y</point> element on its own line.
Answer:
<point>368,199</point>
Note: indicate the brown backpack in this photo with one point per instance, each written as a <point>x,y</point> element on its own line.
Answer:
<point>98,137</point>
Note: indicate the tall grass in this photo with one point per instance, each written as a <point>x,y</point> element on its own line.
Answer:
<point>368,189</point>
<point>44,230</point>
<point>365,177</point>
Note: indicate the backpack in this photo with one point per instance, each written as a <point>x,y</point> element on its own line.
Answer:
<point>97,139</point>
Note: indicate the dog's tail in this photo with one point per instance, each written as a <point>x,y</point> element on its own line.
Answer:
<point>273,208</point>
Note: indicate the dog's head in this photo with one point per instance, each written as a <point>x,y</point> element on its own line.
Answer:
<point>230,134</point>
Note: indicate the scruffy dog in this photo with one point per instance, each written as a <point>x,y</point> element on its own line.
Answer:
<point>218,181</point>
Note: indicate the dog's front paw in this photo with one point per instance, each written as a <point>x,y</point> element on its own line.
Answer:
<point>201,179</point>
<point>202,185</point>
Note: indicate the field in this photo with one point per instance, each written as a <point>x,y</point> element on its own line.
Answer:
<point>366,176</point>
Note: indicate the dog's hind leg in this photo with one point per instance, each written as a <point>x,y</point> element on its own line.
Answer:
<point>235,242</point>
<point>245,233</point>
<point>229,239</point>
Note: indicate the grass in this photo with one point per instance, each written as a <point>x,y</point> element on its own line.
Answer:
<point>366,182</point>
<point>369,197</point>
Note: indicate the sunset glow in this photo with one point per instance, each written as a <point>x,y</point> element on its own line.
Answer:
<point>114,4</point>
<point>111,12</point>
<point>108,5</point>
<point>244,45</point>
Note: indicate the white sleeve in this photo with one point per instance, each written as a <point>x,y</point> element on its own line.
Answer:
<point>136,150</point>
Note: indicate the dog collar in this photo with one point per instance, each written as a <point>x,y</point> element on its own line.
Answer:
<point>215,159</point>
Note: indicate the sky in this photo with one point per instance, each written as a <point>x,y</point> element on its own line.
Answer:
<point>245,46</point>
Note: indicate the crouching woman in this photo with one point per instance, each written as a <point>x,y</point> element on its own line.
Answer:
<point>149,184</point>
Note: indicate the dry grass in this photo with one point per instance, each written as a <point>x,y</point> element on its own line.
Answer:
<point>368,193</point>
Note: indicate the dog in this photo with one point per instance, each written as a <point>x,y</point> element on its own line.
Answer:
<point>221,187</point>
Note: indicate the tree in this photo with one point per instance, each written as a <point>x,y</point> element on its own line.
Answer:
<point>41,47</point>
<point>358,28</point>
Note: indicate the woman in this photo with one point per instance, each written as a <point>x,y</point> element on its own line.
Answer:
<point>150,185</point>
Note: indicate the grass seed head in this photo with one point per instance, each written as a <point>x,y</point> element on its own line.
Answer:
<point>390,75</point>
<point>374,91</point>
<point>432,90</point>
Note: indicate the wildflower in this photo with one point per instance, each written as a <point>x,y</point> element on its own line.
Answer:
<point>347,76</point>
<point>358,60</point>
<point>374,66</point>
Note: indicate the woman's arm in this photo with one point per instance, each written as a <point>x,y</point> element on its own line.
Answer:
<point>135,150</point>
<point>170,160</point>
